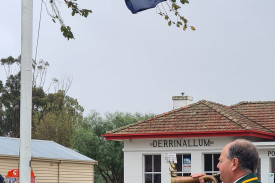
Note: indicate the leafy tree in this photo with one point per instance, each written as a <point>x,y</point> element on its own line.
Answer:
<point>169,9</point>
<point>10,106</point>
<point>58,119</point>
<point>174,16</point>
<point>88,140</point>
<point>56,16</point>
<point>55,115</point>
<point>8,64</point>
<point>10,98</point>
<point>1,109</point>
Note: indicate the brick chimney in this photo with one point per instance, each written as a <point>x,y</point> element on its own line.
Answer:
<point>180,101</point>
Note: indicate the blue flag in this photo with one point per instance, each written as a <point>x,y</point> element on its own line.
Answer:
<point>140,5</point>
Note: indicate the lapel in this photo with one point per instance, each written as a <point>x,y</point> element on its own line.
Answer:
<point>248,178</point>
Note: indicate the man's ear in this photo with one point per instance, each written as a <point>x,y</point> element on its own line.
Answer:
<point>235,163</point>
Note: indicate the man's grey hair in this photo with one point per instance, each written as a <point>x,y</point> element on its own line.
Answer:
<point>246,153</point>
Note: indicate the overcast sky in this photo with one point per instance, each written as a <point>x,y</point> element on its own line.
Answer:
<point>136,63</point>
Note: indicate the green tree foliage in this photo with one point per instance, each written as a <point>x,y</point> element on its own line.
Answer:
<point>169,9</point>
<point>1,109</point>
<point>56,15</point>
<point>10,106</point>
<point>58,119</point>
<point>10,99</point>
<point>54,115</point>
<point>88,140</point>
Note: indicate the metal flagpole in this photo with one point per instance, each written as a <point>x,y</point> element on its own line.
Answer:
<point>26,92</point>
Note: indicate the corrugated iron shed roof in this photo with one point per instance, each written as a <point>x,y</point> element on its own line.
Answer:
<point>41,149</point>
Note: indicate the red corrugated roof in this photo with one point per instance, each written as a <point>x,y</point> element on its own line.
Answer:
<point>205,118</point>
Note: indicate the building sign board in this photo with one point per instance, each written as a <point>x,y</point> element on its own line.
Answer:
<point>170,157</point>
<point>270,178</point>
<point>271,153</point>
<point>182,143</point>
<point>187,165</point>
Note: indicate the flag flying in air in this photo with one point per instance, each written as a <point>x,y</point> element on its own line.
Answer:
<point>140,5</point>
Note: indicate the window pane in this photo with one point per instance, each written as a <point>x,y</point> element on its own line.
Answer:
<point>216,161</point>
<point>157,178</point>
<point>186,174</point>
<point>148,178</point>
<point>148,163</point>
<point>179,163</point>
<point>208,162</point>
<point>187,156</point>
<point>157,163</point>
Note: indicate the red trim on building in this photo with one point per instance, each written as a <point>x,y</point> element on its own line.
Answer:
<point>251,133</point>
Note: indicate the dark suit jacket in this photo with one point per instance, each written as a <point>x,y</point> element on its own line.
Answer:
<point>1,179</point>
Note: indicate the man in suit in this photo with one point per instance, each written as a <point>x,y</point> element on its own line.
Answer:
<point>1,179</point>
<point>237,163</point>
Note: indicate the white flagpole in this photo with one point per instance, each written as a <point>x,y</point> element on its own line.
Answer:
<point>26,92</point>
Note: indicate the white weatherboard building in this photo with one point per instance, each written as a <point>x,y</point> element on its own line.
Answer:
<point>196,133</point>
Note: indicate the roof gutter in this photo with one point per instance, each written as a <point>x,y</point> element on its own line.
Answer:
<point>55,160</point>
<point>251,133</point>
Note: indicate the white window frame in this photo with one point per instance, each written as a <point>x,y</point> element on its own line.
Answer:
<point>213,165</point>
<point>150,173</point>
<point>183,173</point>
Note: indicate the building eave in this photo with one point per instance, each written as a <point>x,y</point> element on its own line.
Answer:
<point>15,157</point>
<point>247,133</point>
